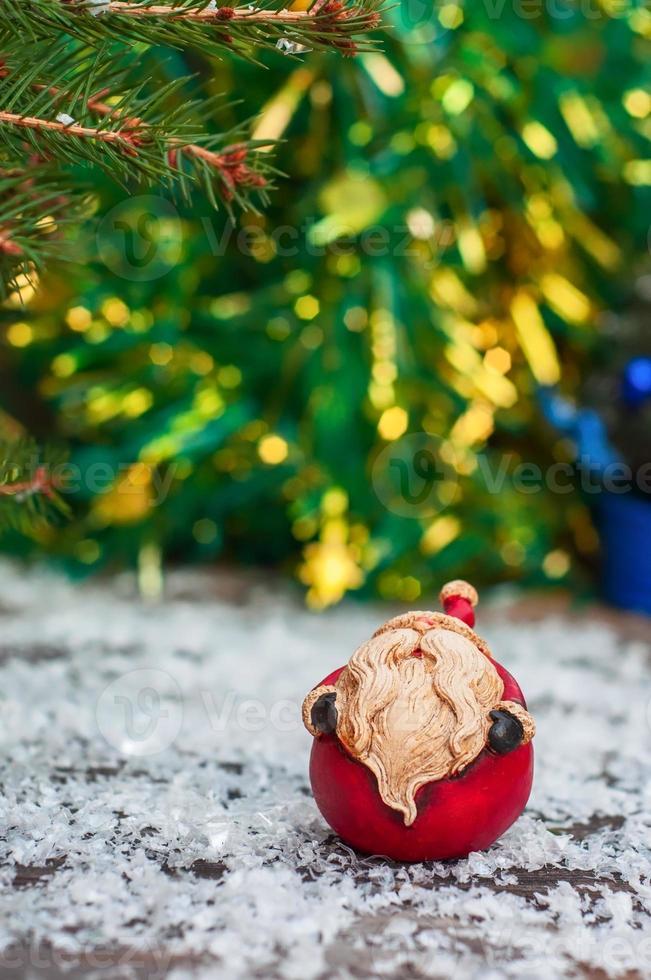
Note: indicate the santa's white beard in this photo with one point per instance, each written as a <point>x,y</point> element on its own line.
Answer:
<point>415,719</point>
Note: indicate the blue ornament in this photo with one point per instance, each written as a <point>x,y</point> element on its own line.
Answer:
<point>583,426</point>
<point>636,382</point>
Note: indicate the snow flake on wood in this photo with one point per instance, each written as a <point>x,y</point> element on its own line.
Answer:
<point>156,809</point>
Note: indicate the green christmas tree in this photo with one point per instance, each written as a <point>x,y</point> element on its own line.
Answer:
<point>334,386</point>
<point>82,84</point>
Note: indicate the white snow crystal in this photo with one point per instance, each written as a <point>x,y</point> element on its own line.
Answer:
<point>204,847</point>
<point>97,7</point>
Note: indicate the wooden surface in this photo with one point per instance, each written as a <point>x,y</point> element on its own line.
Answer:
<point>344,958</point>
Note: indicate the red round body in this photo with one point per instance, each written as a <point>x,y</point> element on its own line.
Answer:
<point>457,815</point>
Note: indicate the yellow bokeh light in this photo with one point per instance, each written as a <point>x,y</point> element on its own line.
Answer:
<point>638,172</point>
<point>440,139</point>
<point>472,372</point>
<point>458,96</point>
<point>278,112</point>
<point>556,564</point>
<point>161,354</point>
<point>115,311</point>
<point>539,140</point>
<point>137,402</point>
<point>235,304</point>
<point>88,551</point>
<point>229,376</point>
<point>498,359</point>
<point>471,246</point>
<point>440,533</point>
<point>475,425</point>
<point>209,403</point>
<point>130,498</point>
<point>639,20</point>
<point>346,265</point>
<point>535,339</point>
<point>410,588</point>
<point>579,119</point>
<point>311,337</point>
<point>297,281</point>
<point>385,372</point>
<point>393,423</point>
<point>360,133</point>
<point>307,307</point>
<point>304,528</point>
<point>637,103</point>
<point>513,553</point>
<point>451,16</point>
<point>330,566</point>
<point>201,362</point>
<point>389,81</point>
<point>356,318</point>
<point>20,334</point>
<point>78,318</point>
<point>485,334</point>
<point>47,224</point>
<point>420,223</point>
<point>272,449</point>
<point>568,301</point>
<point>448,290</point>
<point>64,365</point>
<point>321,93</point>
<point>26,284</point>
<point>603,249</point>
<point>335,502</point>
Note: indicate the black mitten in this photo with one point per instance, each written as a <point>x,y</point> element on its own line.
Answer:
<point>324,714</point>
<point>506,732</point>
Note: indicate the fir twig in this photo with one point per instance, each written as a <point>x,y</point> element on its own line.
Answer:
<point>67,97</point>
<point>202,24</point>
<point>128,141</point>
<point>36,205</point>
<point>28,484</point>
<point>236,168</point>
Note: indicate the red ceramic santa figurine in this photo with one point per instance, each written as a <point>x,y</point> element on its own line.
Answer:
<point>422,742</point>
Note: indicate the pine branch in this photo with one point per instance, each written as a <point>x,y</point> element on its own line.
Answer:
<point>234,172</point>
<point>68,97</point>
<point>200,24</point>
<point>29,491</point>
<point>128,141</point>
<point>328,23</point>
<point>37,207</point>
<point>234,168</point>
<point>55,120</point>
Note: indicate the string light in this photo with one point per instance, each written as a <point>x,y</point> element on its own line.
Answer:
<point>20,334</point>
<point>535,339</point>
<point>539,140</point>
<point>273,449</point>
<point>307,307</point>
<point>393,423</point>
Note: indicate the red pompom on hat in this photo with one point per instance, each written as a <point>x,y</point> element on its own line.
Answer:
<point>458,599</point>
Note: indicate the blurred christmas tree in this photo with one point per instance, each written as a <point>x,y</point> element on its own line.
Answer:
<point>80,83</point>
<point>342,385</point>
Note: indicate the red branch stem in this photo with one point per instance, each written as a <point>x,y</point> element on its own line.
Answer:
<point>125,141</point>
<point>41,482</point>
<point>211,15</point>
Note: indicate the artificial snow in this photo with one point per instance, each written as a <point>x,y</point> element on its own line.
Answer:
<point>154,768</point>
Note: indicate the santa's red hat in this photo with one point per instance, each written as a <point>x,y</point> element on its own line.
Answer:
<point>459,599</point>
